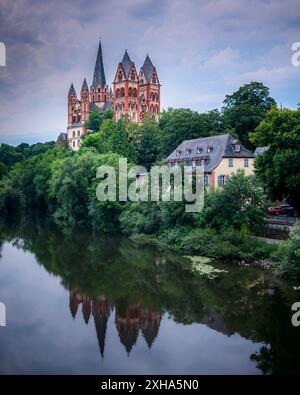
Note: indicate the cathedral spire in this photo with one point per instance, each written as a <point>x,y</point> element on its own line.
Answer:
<point>84,87</point>
<point>99,75</point>
<point>148,68</point>
<point>72,90</point>
<point>126,64</point>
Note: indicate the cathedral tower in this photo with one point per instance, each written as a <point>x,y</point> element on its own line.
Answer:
<point>126,90</point>
<point>99,92</point>
<point>149,89</point>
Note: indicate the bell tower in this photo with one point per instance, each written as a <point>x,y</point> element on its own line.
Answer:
<point>149,89</point>
<point>126,90</point>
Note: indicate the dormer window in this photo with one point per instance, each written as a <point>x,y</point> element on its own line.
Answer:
<point>209,149</point>
<point>188,151</point>
<point>198,150</point>
<point>237,147</point>
<point>202,162</point>
<point>178,152</point>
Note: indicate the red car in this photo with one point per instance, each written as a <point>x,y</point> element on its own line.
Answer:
<point>283,209</point>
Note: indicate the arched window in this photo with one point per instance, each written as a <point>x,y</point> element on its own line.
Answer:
<point>98,97</point>
<point>74,134</point>
<point>93,98</point>
<point>134,92</point>
<point>132,75</point>
<point>142,81</point>
<point>74,143</point>
<point>105,99</point>
<point>117,93</point>
<point>130,92</point>
<point>153,79</point>
<point>122,92</point>
<point>120,76</point>
<point>78,133</point>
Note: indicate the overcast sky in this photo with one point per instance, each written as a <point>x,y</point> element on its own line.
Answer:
<point>202,50</point>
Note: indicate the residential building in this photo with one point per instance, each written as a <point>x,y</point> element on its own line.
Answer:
<point>220,156</point>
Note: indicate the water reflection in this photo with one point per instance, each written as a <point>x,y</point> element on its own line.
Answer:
<point>134,294</point>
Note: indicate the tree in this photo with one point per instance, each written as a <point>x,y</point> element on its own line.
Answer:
<point>240,203</point>
<point>148,145</point>
<point>246,108</point>
<point>279,167</point>
<point>96,119</point>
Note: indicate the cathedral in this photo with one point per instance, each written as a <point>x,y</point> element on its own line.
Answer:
<point>133,95</point>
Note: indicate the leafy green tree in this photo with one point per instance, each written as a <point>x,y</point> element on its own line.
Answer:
<point>287,257</point>
<point>279,167</point>
<point>149,143</point>
<point>246,108</point>
<point>96,119</point>
<point>240,203</point>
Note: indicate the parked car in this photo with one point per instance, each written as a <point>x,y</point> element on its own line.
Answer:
<point>288,210</point>
<point>283,209</point>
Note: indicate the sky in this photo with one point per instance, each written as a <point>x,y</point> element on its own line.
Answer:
<point>202,50</point>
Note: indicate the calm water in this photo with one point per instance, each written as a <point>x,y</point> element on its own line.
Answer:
<point>81,303</point>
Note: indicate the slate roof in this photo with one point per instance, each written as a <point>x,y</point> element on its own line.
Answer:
<point>126,64</point>
<point>99,75</point>
<point>260,150</point>
<point>84,86</point>
<point>108,105</point>
<point>222,147</point>
<point>148,68</point>
<point>72,91</point>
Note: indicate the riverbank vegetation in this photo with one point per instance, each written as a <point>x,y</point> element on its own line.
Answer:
<point>62,183</point>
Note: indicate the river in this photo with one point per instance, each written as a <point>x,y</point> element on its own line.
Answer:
<point>80,303</point>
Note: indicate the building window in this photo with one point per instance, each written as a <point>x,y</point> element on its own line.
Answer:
<point>74,134</point>
<point>120,76</point>
<point>209,149</point>
<point>188,151</point>
<point>246,162</point>
<point>198,150</point>
<point>230,162</point>
<point>73,143</point>
<point>221,180</point>
<point>178,152</point>
<point>202,162</point>
<point>206,180</point>
<point>78,133</point>
<point>237,148</point>
<point>154,79</point>
<point>193,163</point>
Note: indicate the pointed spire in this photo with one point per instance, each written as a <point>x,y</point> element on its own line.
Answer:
<point>84,87</point>
<point>148,68</point>
<point>99,75</point>
<point>126,64</point>
<point>72,90</point>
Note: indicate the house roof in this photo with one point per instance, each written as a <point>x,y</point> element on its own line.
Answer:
<point>108,105</point>
<point>148,68</point>
<point>222,146</point>
<point>99,75</point>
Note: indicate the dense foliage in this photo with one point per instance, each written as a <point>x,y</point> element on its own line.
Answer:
<point>64,183</point>
<point>279,167</point>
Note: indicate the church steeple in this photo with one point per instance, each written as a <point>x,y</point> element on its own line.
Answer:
<point>126,64</point>
<point>99,75</point>
<point>84,87</point>
<point>148,68</point>
<point>72,91</point>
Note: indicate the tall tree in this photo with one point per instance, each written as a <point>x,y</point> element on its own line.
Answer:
<point>279,167</point>
<point>148,144</point>
<point>246,108</point>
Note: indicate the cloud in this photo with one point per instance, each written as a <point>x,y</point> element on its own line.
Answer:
<point>201,50</point>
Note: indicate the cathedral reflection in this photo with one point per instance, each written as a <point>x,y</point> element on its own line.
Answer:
<point>136,320</point>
